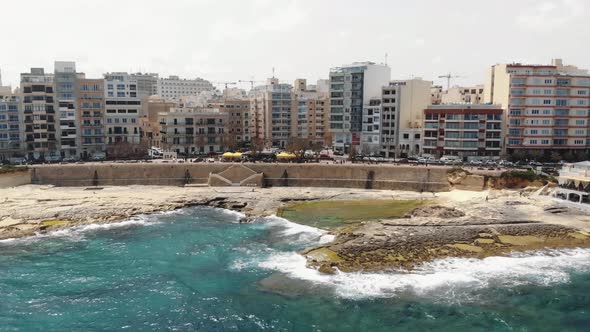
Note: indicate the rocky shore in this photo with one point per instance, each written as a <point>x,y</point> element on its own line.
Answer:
<point>30,209</point>
<point>498,226</point>
<point>457,223</point>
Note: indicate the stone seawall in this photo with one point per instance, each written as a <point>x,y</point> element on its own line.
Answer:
<point>15,179</point>
<point>292,175</point>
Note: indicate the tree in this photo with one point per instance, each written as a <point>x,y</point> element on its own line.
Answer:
<point>257,145</point>
<point>518,155</point>
<point>581,155</point>
<point>126,150</point>
<point>569,156</point>
<point>555,156</point>
<point>297,145</point>
<point>535,154</point>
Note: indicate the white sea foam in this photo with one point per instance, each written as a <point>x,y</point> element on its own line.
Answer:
<point>295,234</point>
<point>451,280</point>
<point>233,214</point>
<point>77,233</point>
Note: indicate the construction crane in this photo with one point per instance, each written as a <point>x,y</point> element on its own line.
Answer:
<point>448,77</point>
<point>251,82</point>
<point>226,83</point>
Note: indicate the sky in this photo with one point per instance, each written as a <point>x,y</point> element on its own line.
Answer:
<point>231,40</point>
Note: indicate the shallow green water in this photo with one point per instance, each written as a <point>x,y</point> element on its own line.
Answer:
<point>200,270</point>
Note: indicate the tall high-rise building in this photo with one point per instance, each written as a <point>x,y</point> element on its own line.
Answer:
<point>40,121</point>
<point>173,87</point>
<point>351,88</point>
<point>11,126</point>
<point>546,106</point>
<point>91,114</point>
<point>123,107</point>
<point>65,94</point>
<point>272,106</point>
<point>403,103</point>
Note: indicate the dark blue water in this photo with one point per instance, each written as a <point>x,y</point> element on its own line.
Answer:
<point>198,269</point>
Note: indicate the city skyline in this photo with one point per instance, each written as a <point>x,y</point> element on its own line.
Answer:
<point>299,39</point>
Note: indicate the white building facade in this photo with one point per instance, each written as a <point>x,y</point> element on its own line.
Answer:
<point>173,87</point>
<point>351,88</point>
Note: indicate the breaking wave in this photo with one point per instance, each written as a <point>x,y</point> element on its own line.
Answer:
<point>449,280</point>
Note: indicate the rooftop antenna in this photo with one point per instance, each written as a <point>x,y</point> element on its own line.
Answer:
<point>386,58</point>
<point>273,72</point>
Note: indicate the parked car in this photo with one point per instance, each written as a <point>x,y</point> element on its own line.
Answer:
<point>53,159</point>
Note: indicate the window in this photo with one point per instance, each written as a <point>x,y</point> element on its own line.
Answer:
<point>546,101</point>
<point>534,111</point>
<point>580,122</point>
<point>545,141</point>
<point>578,142</point>
<point>406,136</point>
<point>533,141</point>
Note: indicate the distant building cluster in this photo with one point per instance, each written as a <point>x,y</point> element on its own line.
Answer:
<point>520,110</point>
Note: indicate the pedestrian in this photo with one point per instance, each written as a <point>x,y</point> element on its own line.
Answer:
<point>486,198</point>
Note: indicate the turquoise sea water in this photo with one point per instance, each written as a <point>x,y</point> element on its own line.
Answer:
<point>198,269</point>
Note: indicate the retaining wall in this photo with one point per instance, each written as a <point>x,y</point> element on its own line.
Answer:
<point>296,175</point>
<point>15,179</point>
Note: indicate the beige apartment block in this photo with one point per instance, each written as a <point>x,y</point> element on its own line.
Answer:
<point>403,103</point>
<point>546,107</point>
<point>195,131</point>
<point>150,118</point>
<point>273,109</point>
<point>240,121</point>
<point>463,95</point>
<point>91,112</point>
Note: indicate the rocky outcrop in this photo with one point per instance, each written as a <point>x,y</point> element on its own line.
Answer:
<point>435,211</point>
<point>377,246</point>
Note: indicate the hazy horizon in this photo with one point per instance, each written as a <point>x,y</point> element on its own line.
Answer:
<point>243,40</point>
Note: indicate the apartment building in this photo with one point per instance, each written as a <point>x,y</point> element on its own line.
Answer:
<point>467,131</point>
<point>436,93</point>
<point>91,114</point>
<point>273,107</point>
<point>11,128</point>
<point>191,131</point>
<point>546,107</point>
<point>174,87</point>
<point>351,88</point>
<point>463,95</point>
<point>147,84</point>
<point>371,134</point>
<point>65,94</point>
<point>40,122</point>
<point>240,123</point>
<point>122,109</point>
<point>150,118</point>
<point>402,106</point>
<point>312,107</point>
